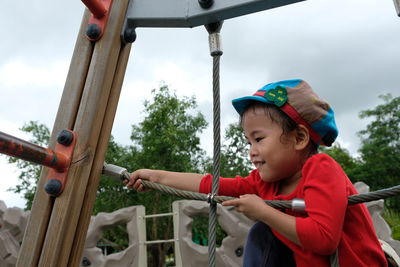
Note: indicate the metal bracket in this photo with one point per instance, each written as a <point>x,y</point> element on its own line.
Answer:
<point>57,178</point>
<point>100,10</point>
<point>189,13</point>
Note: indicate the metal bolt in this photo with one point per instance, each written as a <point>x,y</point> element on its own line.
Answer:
<point>239,251</point>
<point>129,35</point>
<point>206,3</point>
<point>65,138</point>
<point>93,31</point>
<point>53,187</point>
<point>86,262</point>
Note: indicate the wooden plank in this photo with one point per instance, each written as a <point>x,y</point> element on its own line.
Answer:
<point>94,179</point>
<point>43,204</point>
<point>89,120</point>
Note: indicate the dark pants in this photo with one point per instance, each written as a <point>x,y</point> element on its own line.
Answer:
<point>263,249</point>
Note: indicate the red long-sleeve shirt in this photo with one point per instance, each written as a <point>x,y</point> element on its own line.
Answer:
<point>329,226</point>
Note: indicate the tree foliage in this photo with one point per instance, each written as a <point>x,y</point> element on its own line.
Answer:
<point>347,162</point>
<point>235,158</point>
<point>378,163</point>
<point>380,149</point>
<point>167,139</point>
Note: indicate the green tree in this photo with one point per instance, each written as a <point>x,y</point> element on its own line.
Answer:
<point>235,158</point>
<point>380,147</point>
<point>235,152</point>
<point>30,173</point>
<point>349,164</point>
<point>167,139</point>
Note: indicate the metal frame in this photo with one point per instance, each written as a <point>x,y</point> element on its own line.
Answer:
<point>189,13</point>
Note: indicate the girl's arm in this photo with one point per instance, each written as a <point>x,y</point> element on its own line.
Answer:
<point>254,207</point>
<point>179,180</point>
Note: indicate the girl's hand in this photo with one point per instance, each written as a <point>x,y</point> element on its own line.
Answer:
<point>137,176</point>
<point>249,205</point>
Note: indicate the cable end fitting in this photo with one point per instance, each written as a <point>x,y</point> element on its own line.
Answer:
<point>298,205</point>
<point>114,171</point>
<point>214,41</point>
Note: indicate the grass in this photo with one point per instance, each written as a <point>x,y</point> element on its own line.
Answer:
<point>392,217</point>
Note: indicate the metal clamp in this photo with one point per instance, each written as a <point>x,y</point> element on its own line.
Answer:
<point>100,10</point>
<point>57,178</point>
<point>210,197</point>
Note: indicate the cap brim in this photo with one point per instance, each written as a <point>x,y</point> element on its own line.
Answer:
<point>241,103</point>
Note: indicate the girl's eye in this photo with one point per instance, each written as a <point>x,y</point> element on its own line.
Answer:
<point>258,139</point>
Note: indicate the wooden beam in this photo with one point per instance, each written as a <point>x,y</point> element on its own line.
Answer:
<point>94,179</point>
<point>88,124</point>
<point>42,205</point>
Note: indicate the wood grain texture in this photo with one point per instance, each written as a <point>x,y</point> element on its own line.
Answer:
<point>92,110</point>
<point>42,205</point>
<point>94,179</point>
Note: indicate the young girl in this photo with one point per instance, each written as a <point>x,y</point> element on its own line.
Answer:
<point>284,122</point>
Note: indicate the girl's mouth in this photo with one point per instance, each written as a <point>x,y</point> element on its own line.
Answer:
<point>258,164</point>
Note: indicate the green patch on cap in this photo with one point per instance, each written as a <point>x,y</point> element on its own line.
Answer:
<point>278,95</point>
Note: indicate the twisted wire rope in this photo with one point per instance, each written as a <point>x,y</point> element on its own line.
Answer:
<point>212,220</point>
<point>278,204</point>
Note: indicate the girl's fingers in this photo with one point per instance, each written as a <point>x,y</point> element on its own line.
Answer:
<point>232,202</point>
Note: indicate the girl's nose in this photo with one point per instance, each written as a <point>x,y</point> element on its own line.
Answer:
<point>252,151</point>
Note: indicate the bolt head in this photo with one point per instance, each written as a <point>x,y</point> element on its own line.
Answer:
<point>129,35</point>
<point>53,187</point>
<point>65,137</point>
<point>206,3</point>
<point>93,31</point>
<point>86,262</point>
<point>239,251</point>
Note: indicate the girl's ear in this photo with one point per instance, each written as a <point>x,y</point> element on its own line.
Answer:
<point>302,137</point>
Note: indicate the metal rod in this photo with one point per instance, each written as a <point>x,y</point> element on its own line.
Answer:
<point>158,215</point>
<point>18,148</point>
<point>159,241</point>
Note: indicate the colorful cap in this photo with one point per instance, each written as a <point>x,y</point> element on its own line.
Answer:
<point>298,100</point>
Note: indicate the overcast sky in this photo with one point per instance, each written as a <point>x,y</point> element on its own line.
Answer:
<point>348,50</point>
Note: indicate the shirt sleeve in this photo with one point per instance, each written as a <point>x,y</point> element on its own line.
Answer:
<point>325,195</point>
<point>233,187</point>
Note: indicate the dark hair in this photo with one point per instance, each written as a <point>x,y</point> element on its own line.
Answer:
<point>278,116</point>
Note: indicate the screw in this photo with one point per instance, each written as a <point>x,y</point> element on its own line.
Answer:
<point>53,187</point>
<point>65,138</point>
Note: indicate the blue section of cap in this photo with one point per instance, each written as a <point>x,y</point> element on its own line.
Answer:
<point>241,103</point>
<point>286,83</point>
<point>326,126</point>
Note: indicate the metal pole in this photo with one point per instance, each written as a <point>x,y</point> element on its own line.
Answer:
<point>15,147</point>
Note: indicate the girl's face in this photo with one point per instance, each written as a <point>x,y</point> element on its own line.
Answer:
<point>274,155</point>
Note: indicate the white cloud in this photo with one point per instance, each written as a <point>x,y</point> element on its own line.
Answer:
<point>19,74</point>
